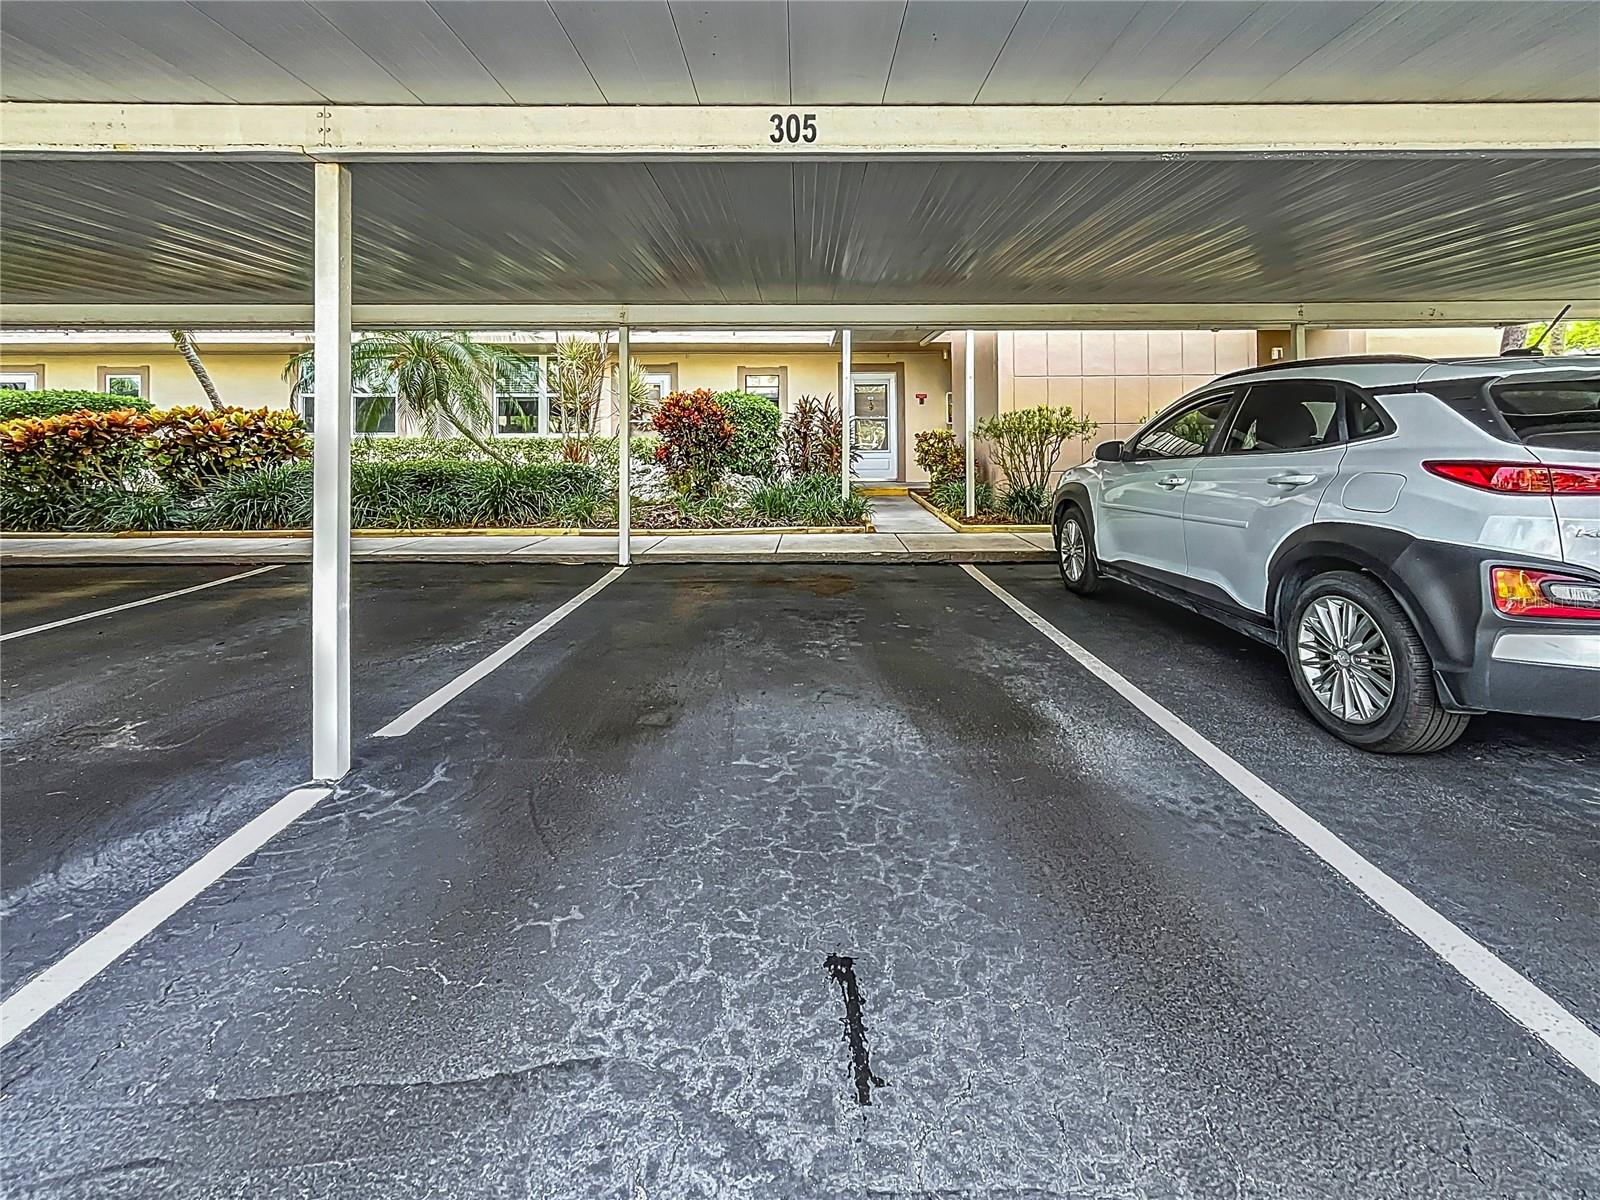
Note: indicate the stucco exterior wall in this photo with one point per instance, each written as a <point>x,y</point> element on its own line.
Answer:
<point>1115,377</point>
<point>248,379</point>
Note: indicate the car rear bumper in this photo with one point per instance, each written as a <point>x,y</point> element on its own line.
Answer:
<point>1538,674</point>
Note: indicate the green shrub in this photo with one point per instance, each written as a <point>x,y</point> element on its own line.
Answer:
<point>755,433</point>
<point>1027,442</point>
<point>941,456</point>
<point>276,497</point>
<point>24,511</point>
<point>74,452</point>
<point>530,449</point>
<point>808,500</point>
<point>566,494</point>
<point>951,497</point>
<point>55,402</point>
<point>148,510</point>
<point>193,447</point>
<point>696,443</point>
<point>1027,505</point>
<point>415,495</point>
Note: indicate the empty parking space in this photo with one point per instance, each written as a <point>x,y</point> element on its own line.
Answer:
<point>584,929</point>
<point>134,741</point>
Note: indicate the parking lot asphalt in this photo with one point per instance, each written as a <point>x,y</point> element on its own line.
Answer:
<point>651,909</point>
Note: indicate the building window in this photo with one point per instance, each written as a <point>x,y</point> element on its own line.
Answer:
<point>374,415</point>
<point>763,381</point>
<point>659,382</point>
<point>19,381</point>
<point>133,382</point>
<point>521,403</point>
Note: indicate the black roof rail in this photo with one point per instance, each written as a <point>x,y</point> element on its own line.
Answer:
<point>1338,360</point>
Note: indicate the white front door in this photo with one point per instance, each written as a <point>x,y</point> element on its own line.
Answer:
<point>874,424</point>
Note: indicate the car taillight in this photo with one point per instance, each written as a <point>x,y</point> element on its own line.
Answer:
<point>1526,478</point>
<point>1521,592</point>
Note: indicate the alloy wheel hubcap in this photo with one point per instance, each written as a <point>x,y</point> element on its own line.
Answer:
<point>1345,659</point>
<point>1074,552</point>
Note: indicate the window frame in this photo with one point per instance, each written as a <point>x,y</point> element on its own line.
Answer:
<point>542,396</point>
<point>309,416</point>
<point>107,374</point>
<point>1348,397</point>
<point>1177,411</point>
<point>35,370</point>
<point>1338,426</point>
<point>782,374</point>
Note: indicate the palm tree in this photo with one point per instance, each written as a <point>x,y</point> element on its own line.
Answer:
<point>435,376</point>
<point>577,377</point>
<point>184,341</point>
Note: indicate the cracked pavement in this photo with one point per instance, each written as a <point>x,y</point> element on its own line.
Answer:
<point>569,937</point>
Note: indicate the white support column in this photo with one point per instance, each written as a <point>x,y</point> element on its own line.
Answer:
<point>624,448</point>
<point>1297,340</point>
<point>330,520</point>
<point>971,357</point>
<point>847,410</point>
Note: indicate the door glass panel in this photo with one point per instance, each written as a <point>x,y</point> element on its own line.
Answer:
<point>872,434</point>
<point>872,400</point>
<point>1184,434</point>
<point>1292,415</point>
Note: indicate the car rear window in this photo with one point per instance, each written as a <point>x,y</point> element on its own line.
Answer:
<point>1562,414</point>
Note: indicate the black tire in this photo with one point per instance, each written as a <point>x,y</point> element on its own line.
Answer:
<point>1087,581</point>
<point>1414,722</point>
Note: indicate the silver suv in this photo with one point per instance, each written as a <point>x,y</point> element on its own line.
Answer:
<point>1420,538</point>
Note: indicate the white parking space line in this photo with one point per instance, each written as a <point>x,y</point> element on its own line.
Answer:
<point>116,608</point>
<point>1516,995</point>
<point>425,708</point>
<point>64,978</point>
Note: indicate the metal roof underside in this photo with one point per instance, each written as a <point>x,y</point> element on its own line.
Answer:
<point>975,232</point>
<point>802,52</point>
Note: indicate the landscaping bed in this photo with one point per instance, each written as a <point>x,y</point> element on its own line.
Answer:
<point>106,467</point>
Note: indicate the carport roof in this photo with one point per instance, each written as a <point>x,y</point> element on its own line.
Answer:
<point>812,233</point>
<point>198,193</point>
<point>802,52</point>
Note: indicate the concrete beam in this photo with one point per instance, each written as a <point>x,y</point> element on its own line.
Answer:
<point>338,132</point>
<point>1353,315</point>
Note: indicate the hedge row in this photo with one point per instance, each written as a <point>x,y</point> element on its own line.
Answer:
<point>53,402</point>
<point>383,496</point>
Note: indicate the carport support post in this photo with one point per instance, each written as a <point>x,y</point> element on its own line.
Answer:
<point>624,450</point>
<point>330,518</point>
<point>971,415</point>
<point>847,407</point>
<point>1297,340</point>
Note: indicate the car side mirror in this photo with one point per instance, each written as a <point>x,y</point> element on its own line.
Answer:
<point>1108,452</point>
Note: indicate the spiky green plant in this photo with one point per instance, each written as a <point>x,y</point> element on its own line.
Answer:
<point>435,375</point>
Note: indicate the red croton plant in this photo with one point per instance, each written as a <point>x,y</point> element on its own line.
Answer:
<point>696,443</point>
<point>73,451</point>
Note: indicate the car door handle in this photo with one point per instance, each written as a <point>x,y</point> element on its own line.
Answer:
<point>1171,481</point>
<point>1291,480</point>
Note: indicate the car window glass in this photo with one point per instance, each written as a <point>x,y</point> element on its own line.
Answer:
<point>1365,419</point>
<point>1184,434</point>
<point>1562,415</point>
<point>1290,415</point>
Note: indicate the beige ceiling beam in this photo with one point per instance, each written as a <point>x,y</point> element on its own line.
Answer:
<point>577,132</point>
<point>803,316</point>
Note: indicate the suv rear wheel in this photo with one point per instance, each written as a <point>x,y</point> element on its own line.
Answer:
<point>1075,552</point>
<point>1362,670</point>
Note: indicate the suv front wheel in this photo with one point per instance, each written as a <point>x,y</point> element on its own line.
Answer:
<point>1075,552</point>
<point>1362,670</point>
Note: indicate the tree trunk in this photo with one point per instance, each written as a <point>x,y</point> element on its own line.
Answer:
<point>476,439</point>
<point>1513,337</point>
<point>185,345</point>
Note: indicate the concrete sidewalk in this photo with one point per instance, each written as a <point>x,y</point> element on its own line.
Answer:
<point>648,547</point>
<point>906,534</point>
